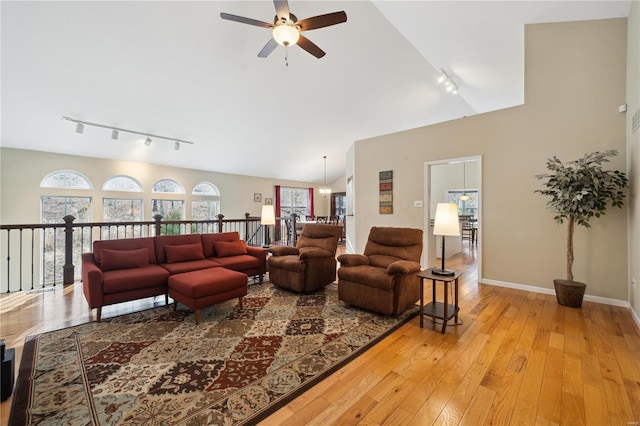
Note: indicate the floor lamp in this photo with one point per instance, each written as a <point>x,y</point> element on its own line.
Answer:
<point>446,224</point>
<point>267,218</point>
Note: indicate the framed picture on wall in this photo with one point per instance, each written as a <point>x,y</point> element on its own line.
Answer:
<point>257,197</point>
<point>268,201</point>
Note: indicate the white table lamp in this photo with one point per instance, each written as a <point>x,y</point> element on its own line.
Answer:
<point>447,224</point>
<point>267,218</point>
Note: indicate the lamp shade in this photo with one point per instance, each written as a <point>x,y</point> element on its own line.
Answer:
<point>446,221</point>
<point>286,35</point>
<point>268,216</point>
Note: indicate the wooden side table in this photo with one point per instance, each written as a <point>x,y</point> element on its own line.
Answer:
<point>439,310</point>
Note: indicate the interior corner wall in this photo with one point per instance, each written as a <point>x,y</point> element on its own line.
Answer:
<point>574,83</point>
<point>633,155</point>
<point>22,171</point>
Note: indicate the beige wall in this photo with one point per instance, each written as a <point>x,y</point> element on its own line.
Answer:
<point>22,172</point>
<point>633,154</point>
<point>575,74</point>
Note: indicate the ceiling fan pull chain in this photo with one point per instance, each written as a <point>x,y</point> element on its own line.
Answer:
<point>286,55</point>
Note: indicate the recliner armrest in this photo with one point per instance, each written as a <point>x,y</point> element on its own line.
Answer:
<point>403,267</point>
<point>353,259</point>
<point>311,252</point>
<point>283,250</point>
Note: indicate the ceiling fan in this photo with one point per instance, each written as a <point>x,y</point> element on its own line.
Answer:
<point>286,29</point>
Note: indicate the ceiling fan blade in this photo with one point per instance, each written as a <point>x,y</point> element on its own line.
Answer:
<point>322,21</point>
<point>282,8</point>
<point>268,48</point>
<point>310,47</point>
<point>243,20</point>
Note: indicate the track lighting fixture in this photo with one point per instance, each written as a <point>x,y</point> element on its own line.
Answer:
<point>448,82</point>
<point>115,132</point>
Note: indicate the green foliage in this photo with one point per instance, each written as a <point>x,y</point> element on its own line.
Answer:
<point>582,189</point>
<point>172,228</point>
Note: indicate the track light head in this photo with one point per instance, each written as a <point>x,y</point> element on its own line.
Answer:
<point>176,146</point>
<point>80,128</point>
<point>147,142</point>
<point>114,134</point>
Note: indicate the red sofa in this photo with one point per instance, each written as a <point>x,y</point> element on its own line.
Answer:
<point>129,269</point>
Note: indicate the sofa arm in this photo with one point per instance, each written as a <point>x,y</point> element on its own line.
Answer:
<point>353,259</point>
<point>314,252</point>
<point>92,281</point>
<point>283,250</point>
<point>403,267</point>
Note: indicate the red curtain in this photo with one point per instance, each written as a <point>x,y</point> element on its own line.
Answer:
<point>311,202</point>
<point>277,201</point>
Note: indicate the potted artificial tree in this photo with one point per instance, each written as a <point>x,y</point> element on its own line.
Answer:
<point>580,190</point>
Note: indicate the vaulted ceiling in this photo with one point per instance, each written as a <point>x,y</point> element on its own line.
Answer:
<point>176,69</point>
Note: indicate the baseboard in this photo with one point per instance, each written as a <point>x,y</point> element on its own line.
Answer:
<point>635,317</point>
<point>534,289</point>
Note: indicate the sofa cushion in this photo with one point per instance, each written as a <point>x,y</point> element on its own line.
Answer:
<point>189,266</point>
<point>230,248</point>
<point>124,244</point>
<point>209,239</point>
<point>123,259</point>
<point>241,262</point>
<point>162,241</point>
<point>183,253</point>
<point>121,280</point>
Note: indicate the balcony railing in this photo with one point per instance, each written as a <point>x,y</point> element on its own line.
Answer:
<point>41,256</point>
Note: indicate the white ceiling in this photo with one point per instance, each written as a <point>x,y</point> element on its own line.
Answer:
<point>176,69</point>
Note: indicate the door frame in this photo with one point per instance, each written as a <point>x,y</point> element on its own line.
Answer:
<point>429,240</point>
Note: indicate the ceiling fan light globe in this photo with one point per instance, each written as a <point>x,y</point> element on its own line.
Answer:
<point>286,35</point>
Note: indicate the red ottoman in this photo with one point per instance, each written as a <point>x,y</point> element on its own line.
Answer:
<point>199,289</point>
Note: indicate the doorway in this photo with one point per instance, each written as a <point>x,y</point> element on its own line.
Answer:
<point>446,181</point>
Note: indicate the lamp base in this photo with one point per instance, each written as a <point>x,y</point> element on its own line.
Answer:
<point>443,272</point>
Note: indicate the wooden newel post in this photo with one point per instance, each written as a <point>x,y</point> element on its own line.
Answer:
<point>294,234</point>
<point>246,225</point>
<point>67,269</point>
<point>220,217</point>
<point>158,218</point>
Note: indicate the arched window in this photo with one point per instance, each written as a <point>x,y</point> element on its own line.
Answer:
<point>168,186</point>
<point>122,183</point>
<point>205,188</point>
<point>66,179</point>
<point>207,207</point>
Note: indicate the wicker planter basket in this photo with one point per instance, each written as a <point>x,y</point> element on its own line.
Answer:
<point>569,293</point>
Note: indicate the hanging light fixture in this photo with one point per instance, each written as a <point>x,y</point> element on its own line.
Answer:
<point>325,190</point>
<point>286,33</point>
<point>464,196</point>
<point>147,141</point>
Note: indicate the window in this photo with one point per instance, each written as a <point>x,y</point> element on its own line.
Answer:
<point>168,186</point>
<point>122,183</point>
<point>52,210</point>
<point>66,179</point>
<point>207,207</point>
<point>205,188</point>
<point>464,207</point>
<point>169,210</point>
<point>294,200</point>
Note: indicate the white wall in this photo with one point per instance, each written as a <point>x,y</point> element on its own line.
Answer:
<point>575,74</point>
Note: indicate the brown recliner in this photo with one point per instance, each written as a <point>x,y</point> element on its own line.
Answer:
<point>383,279</point>
<point>311,264</point>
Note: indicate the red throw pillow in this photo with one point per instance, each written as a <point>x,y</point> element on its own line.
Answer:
<point>123,259</point>
<point>230,248</point>
<point>184,253</point>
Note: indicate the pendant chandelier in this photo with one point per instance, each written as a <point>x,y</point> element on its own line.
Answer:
<point>464,196</point>
<point>325,190</point>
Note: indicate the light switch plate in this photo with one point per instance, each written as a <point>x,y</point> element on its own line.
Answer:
<point>417,204</point>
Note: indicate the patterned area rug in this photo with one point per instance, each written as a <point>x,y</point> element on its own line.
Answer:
<point>158,367</point>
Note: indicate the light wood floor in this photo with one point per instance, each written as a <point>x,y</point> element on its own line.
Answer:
<point>519,358</point>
